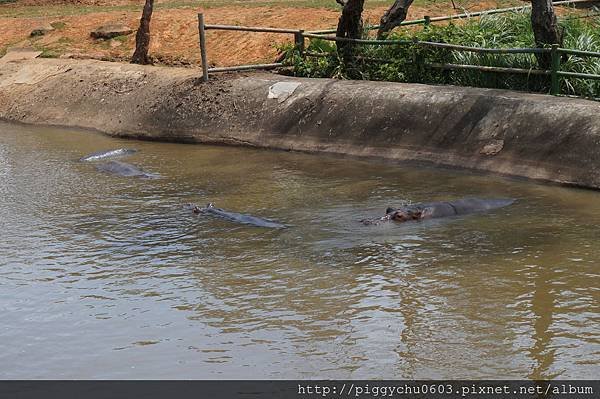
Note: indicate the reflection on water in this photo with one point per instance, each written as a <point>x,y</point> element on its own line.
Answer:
<point>109,277</point>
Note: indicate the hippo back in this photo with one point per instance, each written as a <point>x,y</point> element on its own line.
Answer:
<point>470,205</point>
<point>244,219</point>
<point>123,169</point>
<point>99,155</point>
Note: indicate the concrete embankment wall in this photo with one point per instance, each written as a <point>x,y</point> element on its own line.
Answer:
<point>534,136</point>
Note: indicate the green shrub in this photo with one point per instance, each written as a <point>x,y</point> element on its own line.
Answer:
<point>406,63</point>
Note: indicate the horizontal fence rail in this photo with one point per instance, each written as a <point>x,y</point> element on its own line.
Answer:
<point>246,67</point>
<point>579,52</point>
<point>486,50</point>
<point>202,28</point>
<point>578,75</point>
<point>300,36</point>
<point>368,42</point>
<point>428,19</point>
<point>251,29</point>
<point>489,69</point>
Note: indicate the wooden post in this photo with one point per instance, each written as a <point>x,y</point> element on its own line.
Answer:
<point>427,20</point>
<point>299,41</point>
<point>417,57</point>
<point>202,34</point>
<point>555,86</point>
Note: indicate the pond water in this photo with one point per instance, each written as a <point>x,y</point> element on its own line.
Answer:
<point>110,277</point>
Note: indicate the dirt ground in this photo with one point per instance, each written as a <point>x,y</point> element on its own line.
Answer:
<point>174,28</point>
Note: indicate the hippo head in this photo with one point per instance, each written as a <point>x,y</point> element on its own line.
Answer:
<point>406,214</point>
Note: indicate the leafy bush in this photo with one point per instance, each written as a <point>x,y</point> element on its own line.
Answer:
<point>407,62</point>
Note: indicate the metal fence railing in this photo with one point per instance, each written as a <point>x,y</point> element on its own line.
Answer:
<point>427,19</point>
<point>202,28</point>
<point>300,37</point>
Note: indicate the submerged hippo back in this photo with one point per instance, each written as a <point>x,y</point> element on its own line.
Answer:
<point>437,209</point>
<point>244,219</point>
<point>463,206</point>
<point>122,169</point>
<point>470,205</point>
<point>99,155</point>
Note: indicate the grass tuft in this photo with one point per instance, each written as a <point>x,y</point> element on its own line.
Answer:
<point>405,63</point>
<point>58,25</point>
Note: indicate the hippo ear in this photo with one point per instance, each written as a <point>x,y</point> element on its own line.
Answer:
<point>418,214</point>
<point>390,210</point>
<point>424,213</point>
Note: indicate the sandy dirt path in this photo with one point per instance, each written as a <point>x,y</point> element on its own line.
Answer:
<point>174,30</point>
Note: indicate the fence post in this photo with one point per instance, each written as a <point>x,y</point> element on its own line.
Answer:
<point>555,66</point>
<point>202,35</point>
<point>299,41</point>
<point>427,20</point>
<point>417,57</point>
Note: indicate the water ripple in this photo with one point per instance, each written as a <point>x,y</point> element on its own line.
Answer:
<point>113,278</point>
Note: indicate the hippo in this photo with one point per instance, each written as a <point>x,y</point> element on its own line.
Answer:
<point>236,217</point>
<point>429,210</point>
<point>123,169</point>
<point>97,156</point>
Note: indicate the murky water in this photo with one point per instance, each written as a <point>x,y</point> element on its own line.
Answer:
<point>109,277</point>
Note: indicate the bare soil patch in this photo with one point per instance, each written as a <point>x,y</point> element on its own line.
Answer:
<point>174,30</point>
<point>74,2</point>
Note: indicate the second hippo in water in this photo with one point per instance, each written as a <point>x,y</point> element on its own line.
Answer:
<point>100,155</point>
<point>438,209</point>
<point>123,169</point>
<point>236,217</point>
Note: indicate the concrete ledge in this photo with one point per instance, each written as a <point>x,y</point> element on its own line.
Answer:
<point>526,135</point>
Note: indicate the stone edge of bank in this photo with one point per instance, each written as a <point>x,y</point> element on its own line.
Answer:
<point>509,133</point>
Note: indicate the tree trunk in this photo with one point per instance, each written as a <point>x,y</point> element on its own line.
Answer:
<point>545,29</point>
<point>142,37</point>
<point>393,17</point>
<point>350,26</point>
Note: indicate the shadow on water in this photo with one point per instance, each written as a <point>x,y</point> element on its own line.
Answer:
<point>115,278</point>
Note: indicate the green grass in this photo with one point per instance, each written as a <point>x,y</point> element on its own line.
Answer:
<point>49,53</point>
<point>59,10</point>
<point>67,10</point>
<point>122,38</point>
<point>58,25</point>
<point>106,44</point>
<point>53,50</point>
<point>511,30</point>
